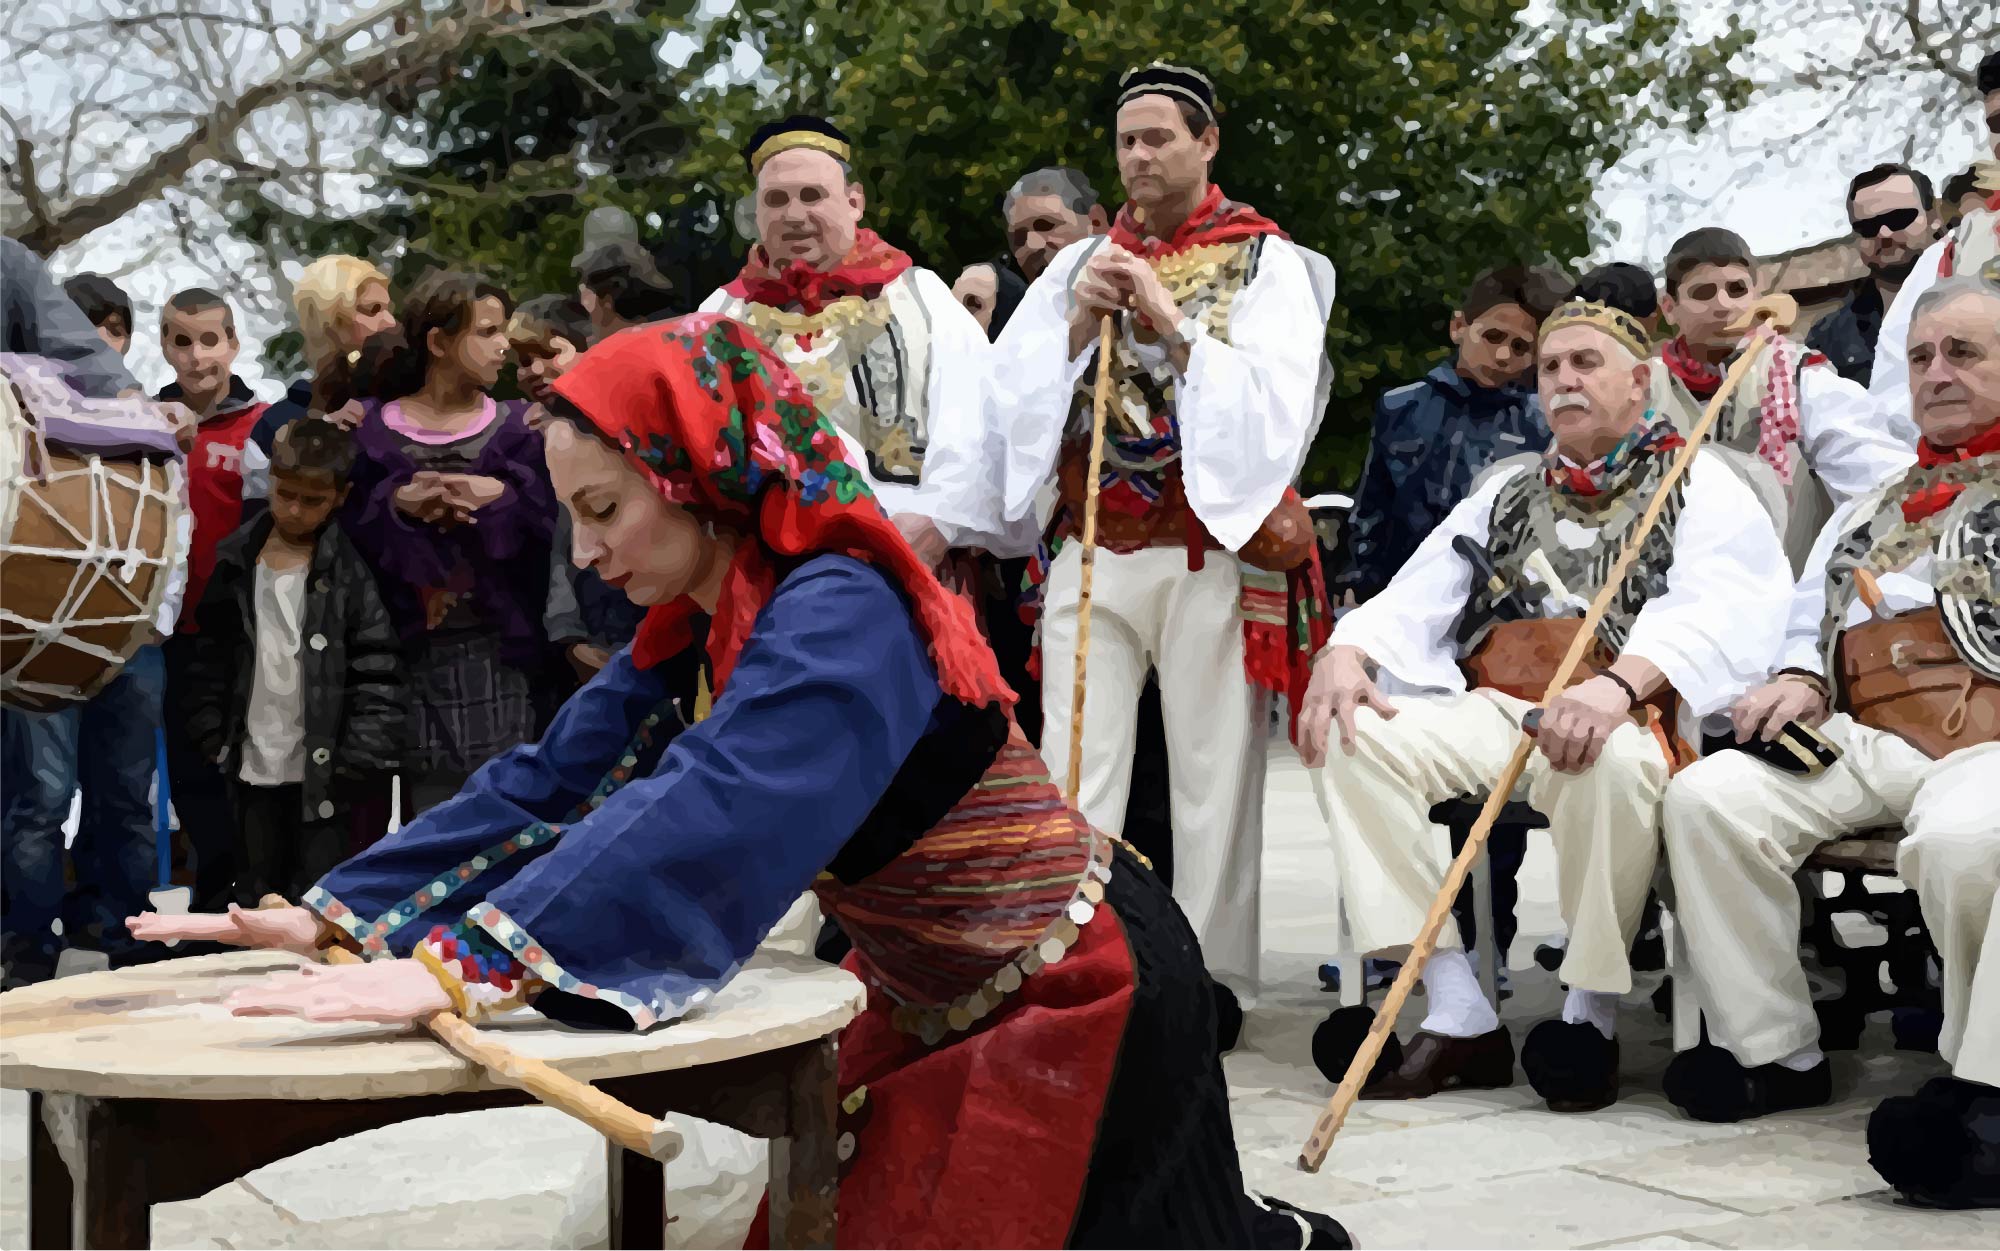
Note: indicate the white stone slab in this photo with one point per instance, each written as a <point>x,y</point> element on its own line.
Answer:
<point>1551,1208</point>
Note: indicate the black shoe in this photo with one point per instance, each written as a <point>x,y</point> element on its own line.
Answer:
<point>1275,1223</point>
<point>1917,1029</point>
<point>1941,1146</point>
<point>1339,1037</point>
<point>1709,1084</point>
<point>1434,1063</point>
<point>1571,1065</point>
<point>1228,1018</point>
<point>1550,956</point>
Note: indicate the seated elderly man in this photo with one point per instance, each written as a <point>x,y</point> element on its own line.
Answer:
<point>1472,626</point>
<point>1894,655</point>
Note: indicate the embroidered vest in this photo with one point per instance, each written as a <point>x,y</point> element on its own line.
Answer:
<point>1798,510</point>
<point>1141,500</point>
<point>866,364</point>
<point>1529,517</point>
<point>1963,543</point>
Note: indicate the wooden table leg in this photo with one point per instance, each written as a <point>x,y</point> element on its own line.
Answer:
<point>48,1183</point>
<point>805,1171</point>
<point>637,1186</point>
<point>87,1178</point>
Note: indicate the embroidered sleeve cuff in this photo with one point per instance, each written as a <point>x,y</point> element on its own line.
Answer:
<point>480,978</point>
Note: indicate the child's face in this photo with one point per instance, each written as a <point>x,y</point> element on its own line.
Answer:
<point>538,367</point>
<point>201,347</point>
<point>301,503</point>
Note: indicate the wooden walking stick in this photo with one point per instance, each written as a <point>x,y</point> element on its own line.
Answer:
<point>1313,1154</point>
<point>1099,404</point>
<point>613,1118</point>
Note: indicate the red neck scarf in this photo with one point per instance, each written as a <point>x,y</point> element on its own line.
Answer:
<point>1700,377</point>
<point>1935,499</point>
<point>1214,220</point>
<point>722,428</point>
<point>868,266</point>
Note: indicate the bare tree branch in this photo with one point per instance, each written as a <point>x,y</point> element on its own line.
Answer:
<point>1920,40</point>
<point>321,68</point>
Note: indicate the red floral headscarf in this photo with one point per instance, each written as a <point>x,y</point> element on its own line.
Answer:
<point>723,428</point>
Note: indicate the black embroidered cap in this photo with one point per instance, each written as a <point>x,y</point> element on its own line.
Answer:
<point>796,131</point>
<point>1190,86</point>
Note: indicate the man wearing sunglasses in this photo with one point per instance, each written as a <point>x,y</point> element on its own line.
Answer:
<point>1971,249</point>
<point>1892,211</point>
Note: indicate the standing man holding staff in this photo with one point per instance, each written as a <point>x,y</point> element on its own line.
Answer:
<point>1208,571</point>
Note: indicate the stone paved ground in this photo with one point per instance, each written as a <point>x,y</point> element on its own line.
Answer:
<point>1485,1170</point>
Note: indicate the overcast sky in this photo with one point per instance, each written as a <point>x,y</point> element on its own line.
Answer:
<point>1669,185</point>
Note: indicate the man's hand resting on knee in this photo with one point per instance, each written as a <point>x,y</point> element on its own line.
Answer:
<point>1340,686</point>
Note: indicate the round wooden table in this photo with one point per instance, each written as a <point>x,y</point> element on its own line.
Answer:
<point>145,1090</point>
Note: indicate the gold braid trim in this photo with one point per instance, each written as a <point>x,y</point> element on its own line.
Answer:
<point>843,314</point>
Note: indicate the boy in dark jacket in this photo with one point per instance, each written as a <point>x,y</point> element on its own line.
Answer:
<point>298,693</point>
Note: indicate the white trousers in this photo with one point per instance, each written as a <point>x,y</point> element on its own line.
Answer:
<point>1737,830</point>
<point>1148,610</point>
<point>1603,822</point>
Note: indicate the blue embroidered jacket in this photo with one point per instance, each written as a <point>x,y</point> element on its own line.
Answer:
<point>694,842</point>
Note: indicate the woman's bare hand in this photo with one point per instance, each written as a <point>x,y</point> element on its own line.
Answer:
<point>275,929</point>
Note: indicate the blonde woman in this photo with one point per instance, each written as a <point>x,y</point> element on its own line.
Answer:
<point>340,301</point>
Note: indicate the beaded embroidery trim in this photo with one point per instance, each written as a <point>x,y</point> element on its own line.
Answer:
<point>535,958</point>
<point>374,938</point>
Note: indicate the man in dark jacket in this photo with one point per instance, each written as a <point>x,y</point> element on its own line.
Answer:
<point>1432,437</point>
<point>297,690</point>
<point>1894,219</point>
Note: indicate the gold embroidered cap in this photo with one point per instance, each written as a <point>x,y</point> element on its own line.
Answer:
<point>797,131</point>
<point>1616,322</point>
<point>1190,86</point>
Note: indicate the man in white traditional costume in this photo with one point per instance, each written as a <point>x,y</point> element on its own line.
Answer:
<point>1972,249</point>
<point>1470,631</point>
<point>1893,653</point>
<point>1206,568</point>
<point>1805,437</point>
<point>886,352</point>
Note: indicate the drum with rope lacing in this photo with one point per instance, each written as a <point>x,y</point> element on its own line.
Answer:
<point>93,522</point>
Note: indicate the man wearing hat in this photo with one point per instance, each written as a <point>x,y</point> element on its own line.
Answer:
<point>1893,656</point>
<point>882,346</point>
<point>1426,686</point>
<point>1205,563</point>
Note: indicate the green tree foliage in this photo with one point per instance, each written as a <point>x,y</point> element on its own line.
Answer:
<point>1414,143</point>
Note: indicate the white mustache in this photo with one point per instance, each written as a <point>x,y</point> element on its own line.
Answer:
<point>1568,399</point>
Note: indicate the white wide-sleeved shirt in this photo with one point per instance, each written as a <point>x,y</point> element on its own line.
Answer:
<point>961,486</point>
<point>1713,632</point>
<point>1246,408</point>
